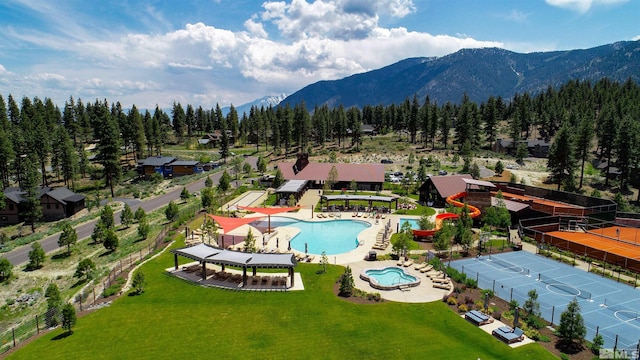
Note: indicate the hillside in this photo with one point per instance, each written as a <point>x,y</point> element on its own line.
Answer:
<point>479,73</point>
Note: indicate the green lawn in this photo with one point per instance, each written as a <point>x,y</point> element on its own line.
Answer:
<point>174,319</point>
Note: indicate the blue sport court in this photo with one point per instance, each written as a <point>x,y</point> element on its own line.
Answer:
<point>607,306</point>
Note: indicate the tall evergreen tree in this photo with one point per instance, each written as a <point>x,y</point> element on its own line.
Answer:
<point>561,161</point>
<point>32,210</point>
<point>583,143</point>
<point>109,145</point>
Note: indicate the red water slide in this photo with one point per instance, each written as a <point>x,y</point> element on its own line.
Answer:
<point>474,213</point>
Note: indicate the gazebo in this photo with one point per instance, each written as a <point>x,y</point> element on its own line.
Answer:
<point>204,254</point>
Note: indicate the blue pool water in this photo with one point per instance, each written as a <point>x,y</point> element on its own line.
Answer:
<point>415,224</point>
<point>390,276</point>
<point>333,237</point>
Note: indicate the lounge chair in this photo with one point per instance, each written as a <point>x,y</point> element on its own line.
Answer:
<point>427,268</point>
<point>442,286</point>
<point>478,318</point>
<point>508,334</point>
<point>420,266</point>
<point>408,263</point>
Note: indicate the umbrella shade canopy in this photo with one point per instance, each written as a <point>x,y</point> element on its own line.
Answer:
<point>228,223</point>
<point>269,211</point>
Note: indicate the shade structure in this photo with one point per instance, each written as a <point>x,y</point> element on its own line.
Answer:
<point>270,211</point>
<point>229,223</point>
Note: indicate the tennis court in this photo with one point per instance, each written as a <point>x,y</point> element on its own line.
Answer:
<point>607,306</point>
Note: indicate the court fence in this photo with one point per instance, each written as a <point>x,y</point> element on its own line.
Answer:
<point>538,229</point>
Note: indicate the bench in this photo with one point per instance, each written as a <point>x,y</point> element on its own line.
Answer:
<point>508,334</point>
<point>478,318</point>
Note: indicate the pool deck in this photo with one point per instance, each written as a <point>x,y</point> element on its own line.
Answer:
<point>425,292</point>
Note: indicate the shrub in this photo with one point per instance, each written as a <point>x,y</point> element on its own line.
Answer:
<point>479,304</point>
<point>487,291</point>
<point>532,334</point>
<point>452,300</point>
<point>471,283</point>
<point>564,356</point>
<point>468,300</point>
<point>535,322</point>
<point>462,308</point>
<point>496,314</point>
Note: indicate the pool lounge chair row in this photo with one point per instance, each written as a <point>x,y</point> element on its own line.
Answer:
<point>304,258</point>
<point>446,286</point>
<point>508,335</point>
<point>405,262</point>
<point>478,318</point>
<point>424,267</point>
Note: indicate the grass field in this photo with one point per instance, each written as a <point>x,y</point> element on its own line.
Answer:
<point>174,319</point>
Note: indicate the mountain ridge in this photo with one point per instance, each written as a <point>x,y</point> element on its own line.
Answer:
<point>478,73</point>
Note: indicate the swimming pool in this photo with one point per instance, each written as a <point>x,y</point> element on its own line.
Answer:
<point>389,278</point>
<point>415,223</point>
<point>333,237</point>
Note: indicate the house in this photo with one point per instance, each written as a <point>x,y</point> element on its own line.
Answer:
<point>213,140</point>
<point>156,164</point>
<point>185,167</point>
<point>370,130</point>
<point>61,203</point>
<point>367,176</point>
<point>436,189</point>
<point>536,148</point>
<point>58,203</point>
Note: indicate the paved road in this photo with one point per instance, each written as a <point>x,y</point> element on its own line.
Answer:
<point>84,230</point>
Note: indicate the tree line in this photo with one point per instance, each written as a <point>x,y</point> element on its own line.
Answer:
<point>37,134</point>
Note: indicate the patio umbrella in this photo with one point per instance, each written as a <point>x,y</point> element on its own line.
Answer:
<point>289,247</point>
<point>277,243</point>
<point>305,248</point>
<point>516,315</point>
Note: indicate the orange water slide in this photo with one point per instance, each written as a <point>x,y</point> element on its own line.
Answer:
<point>474,213</point>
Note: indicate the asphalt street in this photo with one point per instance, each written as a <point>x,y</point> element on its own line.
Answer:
<point>50,244</point>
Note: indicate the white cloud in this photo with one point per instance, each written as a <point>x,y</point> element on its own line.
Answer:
<point>582,6</point>
<point>2,69</point>
<point>255,28</point>
<point>202,64</point>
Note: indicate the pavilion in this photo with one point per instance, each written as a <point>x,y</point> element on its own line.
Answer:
<point>346,198</point>
<point>204,254</point>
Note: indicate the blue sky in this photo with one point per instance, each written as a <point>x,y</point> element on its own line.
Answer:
<point>205,52</point>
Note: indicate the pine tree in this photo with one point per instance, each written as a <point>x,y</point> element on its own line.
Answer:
<point>571,328</point>
<point>346,283</point>
<point>138,282</point>
<point>126,216</point>
<point>111,241</point>
<point>68,237</point>
<point>561,161</point>
<point>143,228</point>
<point>68,317</point>
<point>109,145</point>
<point>85,269</point>
<point>32,210</point>
<point>36,256</point>
<point>171,211</point>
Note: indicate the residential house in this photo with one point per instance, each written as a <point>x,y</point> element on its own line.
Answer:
<point>536,148</point>
<point>58,203</point>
